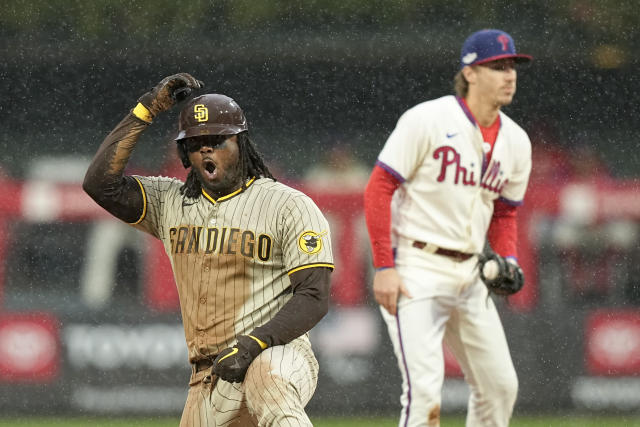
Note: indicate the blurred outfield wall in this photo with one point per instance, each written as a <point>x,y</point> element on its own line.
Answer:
<point>90,321</point>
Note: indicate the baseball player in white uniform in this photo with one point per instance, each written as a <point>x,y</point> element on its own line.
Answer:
<point>251,258</point>
<point>448,179</point>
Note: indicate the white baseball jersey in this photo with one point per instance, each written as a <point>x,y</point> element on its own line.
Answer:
<point>232,257</point>
<point>448,188</point>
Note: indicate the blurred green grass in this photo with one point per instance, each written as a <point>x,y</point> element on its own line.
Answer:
<point>447,421</point>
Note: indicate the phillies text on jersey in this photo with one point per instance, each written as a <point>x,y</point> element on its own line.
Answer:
<point>437,151</point>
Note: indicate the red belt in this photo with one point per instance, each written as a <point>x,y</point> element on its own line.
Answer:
<point>458,256</point>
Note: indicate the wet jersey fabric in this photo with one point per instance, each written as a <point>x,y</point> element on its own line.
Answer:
<point>448,185</point>
<point>232,256</point>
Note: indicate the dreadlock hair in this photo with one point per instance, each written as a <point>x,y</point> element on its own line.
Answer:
<point>251,164</point>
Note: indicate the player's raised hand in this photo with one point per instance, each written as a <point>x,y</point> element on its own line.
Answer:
<point>169,91</point>
<point>232,363</point>
<point>387,288</point>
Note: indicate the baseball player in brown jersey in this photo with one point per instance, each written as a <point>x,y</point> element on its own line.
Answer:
<point>251,257</point>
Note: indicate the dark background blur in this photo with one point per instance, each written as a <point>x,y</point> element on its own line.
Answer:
<point>308,74</point>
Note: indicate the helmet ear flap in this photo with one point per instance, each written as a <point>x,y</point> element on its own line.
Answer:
<point>182,153</point>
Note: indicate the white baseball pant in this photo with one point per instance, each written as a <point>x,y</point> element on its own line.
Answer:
<point>449,302</point>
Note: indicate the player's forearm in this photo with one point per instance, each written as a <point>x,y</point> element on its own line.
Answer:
<point>503,230</point>
<point>377,209</point>
<point>308,305</point>
<point>105,181</point>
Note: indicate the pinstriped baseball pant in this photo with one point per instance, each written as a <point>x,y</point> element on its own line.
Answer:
<point>278,385</point>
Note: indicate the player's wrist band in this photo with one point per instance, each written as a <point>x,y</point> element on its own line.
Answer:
<point>262,344</point>
<point>141,112</point>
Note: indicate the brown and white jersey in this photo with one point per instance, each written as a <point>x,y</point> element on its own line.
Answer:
<point>232,257</point>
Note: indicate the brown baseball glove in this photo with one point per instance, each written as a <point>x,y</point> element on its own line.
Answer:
<point>169,91</point>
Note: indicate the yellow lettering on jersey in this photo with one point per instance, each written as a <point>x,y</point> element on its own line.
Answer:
<point>247,244</point>
<point>232,243</point>
<point>194,240</point>
<point>222,238</point>
<point>223,241</point>
<point>264,247</point>
<point>212,240</point>
<point>182,236</point>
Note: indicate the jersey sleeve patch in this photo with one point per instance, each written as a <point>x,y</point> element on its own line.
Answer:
<point>310,242</point>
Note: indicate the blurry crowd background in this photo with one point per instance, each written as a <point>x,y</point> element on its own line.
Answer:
<point>310,74</point>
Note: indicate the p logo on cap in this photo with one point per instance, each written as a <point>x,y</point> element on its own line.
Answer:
<point>489,45</point>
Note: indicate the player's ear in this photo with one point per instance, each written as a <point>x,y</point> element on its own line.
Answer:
<point>469,73</point>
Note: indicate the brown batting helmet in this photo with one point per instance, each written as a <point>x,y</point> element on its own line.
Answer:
<point>211,114</point>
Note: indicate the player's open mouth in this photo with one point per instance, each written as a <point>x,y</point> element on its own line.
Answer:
<point>209,169</point>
